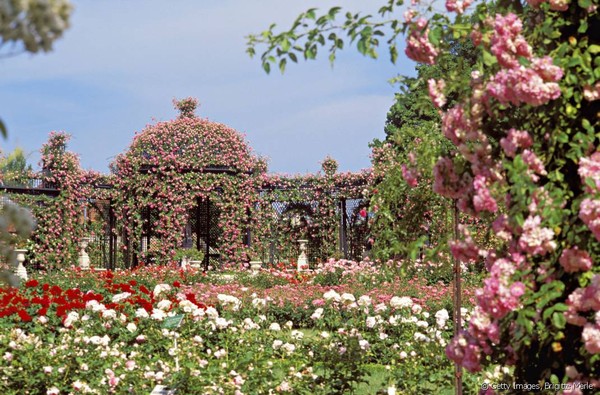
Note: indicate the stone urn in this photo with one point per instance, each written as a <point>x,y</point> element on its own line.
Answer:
<point>84,259</point>
<point>302,259</point>
<point>255,266</point>
<point>20,270</point>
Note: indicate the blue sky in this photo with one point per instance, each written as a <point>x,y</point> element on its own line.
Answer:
<point>121,63</point>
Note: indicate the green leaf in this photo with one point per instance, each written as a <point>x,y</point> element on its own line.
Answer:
<point>558,320</point>
<point>285,45</point>
<point>584,3</point>
<point>267,67</point>
<point>489,59</point>
<point>293,57</point>
<point>333,11</point>
<point>282,64</point>
<point>393,54</point>
<point>435,35</point>
<point>361,46</point>
<point>594,48</point>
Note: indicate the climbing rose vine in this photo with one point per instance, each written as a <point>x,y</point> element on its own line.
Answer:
<point>526,159</point>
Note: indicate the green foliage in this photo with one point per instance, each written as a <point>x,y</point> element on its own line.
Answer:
<point>330,30</point>
<point>14,167</point>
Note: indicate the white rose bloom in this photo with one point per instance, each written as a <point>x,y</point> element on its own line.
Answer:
<point>421,337</point>
<point>288,348</point>
<point>71,318</point>
<point>277,344</point>
<point>222,323</point>
<point>403,354</point>
<point>187,306</point>
<point>364,301</point>
<point>348,298</point>
<point>119,297</point>
<point>422,324</point>
<point>141,313</point>
<point>371,322</point>
<point>441,317</point>
<point>400,302</point>
<point>164,304</point>
<point>332,295</point>
<point>297,335</point>
<point>212,313</point>
<point>158,314</point>
<point>364,344</point>
<point>249,324</point>
<point>274,327</point>
<point>259,303</point>
<point>131,327</point>
<point>317,314</point>
<point>229,300</point>
<point>159,288</point>
<point>110,313</point>
<point>380,308</point>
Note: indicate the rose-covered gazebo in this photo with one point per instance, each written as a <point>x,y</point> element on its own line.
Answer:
<point>185,183</point>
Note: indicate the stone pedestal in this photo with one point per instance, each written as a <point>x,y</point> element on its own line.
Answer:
<point>20,270</point>
<point>84,259</point>
<point>302,259</point>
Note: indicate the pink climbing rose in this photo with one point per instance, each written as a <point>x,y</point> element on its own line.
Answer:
<point>410,176</point>
<point>589,212</point>
<point>590,168</point>
<point>507,42</point>
<point>436,92</point>
<point>483,200</point>
<point>574,260</point>
<point>535,239</point>
<point>514,140</point>
<point>418,46</point>
<point>591,338</point>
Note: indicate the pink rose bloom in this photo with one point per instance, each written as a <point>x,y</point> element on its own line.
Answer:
<point>507,42</point>
<point>575,260</point>
<point>464,250</point>
<point>418,46</point>
<point>591,93</point>
<point>436,92</point>
<point>410,176</point>
<point>536,240</point>
<point>457,6</point>
<point>590,168</point>
<point>591,338</point>
<point>589,212</point>
<point>483,200</point>
<point>514,140</point>
<point>534,164</point>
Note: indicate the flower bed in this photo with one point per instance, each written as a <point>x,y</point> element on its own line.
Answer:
<point>104,332</point>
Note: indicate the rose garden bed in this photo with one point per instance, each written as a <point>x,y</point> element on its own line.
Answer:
<point>335,330</point>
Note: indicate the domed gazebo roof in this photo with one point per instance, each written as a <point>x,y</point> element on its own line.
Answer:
<point>188,144</point>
